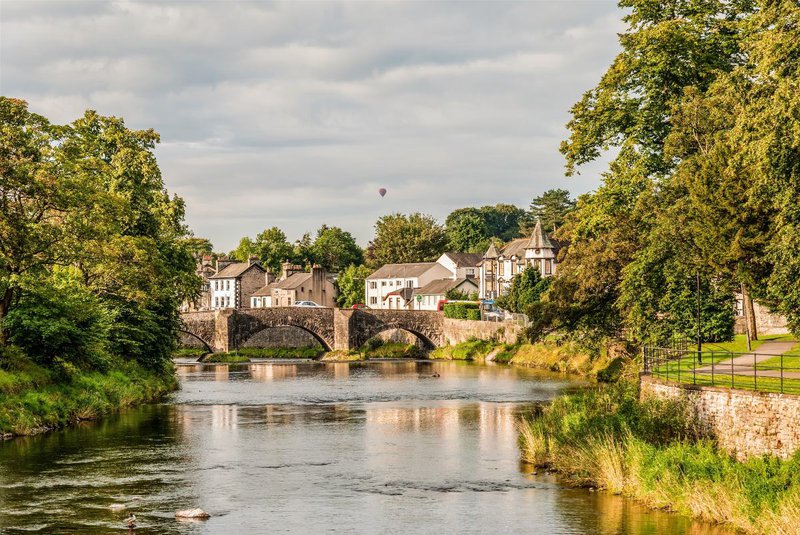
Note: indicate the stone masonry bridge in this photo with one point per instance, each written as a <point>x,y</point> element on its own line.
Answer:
<point>224,330</point>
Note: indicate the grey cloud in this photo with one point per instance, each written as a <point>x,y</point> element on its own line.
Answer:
<point>293,114</point>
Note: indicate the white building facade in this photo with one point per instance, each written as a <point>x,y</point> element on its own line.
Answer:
<point>395,279</point>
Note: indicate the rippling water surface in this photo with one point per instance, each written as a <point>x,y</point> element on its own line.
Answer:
<point>378,447</point>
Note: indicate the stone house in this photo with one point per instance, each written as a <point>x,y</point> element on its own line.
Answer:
<point>429,296</point>
<point>497,268</point>
<point>385,288</point>
<point>205,270</point>
<point>234,283</point>
<point>297,285</point>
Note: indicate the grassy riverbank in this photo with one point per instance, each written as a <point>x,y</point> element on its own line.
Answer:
<point>654,452</point>
<point>35,399</point>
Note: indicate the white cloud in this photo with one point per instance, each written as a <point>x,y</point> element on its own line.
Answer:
<point>295,113</point>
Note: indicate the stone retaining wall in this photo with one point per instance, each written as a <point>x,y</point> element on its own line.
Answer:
<point>457,331</point>
<point>744,423</point>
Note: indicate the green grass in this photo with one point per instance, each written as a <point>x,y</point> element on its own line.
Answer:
<point>186,352</point>
<point>739,343</point>
<point>393,350</point>
<point>655,452</point>
<point>227,358</point>
<point>470,350</point>
<point>34,398</point>
<point>280,352</point>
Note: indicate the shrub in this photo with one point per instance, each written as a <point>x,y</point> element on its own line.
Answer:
<point>460,311</point>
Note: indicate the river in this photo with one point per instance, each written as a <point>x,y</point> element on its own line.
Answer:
<point>302,447</point>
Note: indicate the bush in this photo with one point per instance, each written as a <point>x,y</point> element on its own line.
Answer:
<point>460,311</point>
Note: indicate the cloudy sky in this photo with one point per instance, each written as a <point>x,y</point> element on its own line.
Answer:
<point>294,114</point>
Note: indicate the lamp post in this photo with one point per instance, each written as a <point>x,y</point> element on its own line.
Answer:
<point>699,332</point>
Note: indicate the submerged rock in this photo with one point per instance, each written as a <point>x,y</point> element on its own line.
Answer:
<point>192,513</point>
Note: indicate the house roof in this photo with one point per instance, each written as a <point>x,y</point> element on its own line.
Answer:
<point>236,270</point>
<point>405,293</point>
<point>293,281</point>
<point>465,259</point>
<point>539,239</point>
<point>442,286</point>
<point>515,248</point>
<point>266,290</point>
<point>394,271</point>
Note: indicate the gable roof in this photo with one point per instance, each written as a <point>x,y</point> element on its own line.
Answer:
<point>394,271</point>
<point>236,270</point>
<point>492,251</point>
<point>405,293</point>
<point>442,286</point>
<point>266,290</point>
<point>465,259</point>
<point>293,281</point>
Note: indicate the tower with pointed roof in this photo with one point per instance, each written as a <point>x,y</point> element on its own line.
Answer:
<point>538,252</point>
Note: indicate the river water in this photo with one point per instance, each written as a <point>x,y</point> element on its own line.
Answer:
<point>301,447</point>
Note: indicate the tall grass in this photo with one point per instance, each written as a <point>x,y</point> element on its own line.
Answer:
<point>469,350</point>
<point>655,452</point>
<point>35,399</point>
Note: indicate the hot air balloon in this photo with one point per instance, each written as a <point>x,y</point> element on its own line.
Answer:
<point>382,191</point>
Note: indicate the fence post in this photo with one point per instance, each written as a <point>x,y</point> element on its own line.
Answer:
<point>694,372</point>
<point>679,367</point>
<point>712,368</point>
<point>732,372</point>
<point>755,373</point>
<point>781,373</point>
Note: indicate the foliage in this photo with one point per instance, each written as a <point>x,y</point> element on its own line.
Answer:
<point>351,285</point>
<point>89,195</point>
<point>655,452</point>
<point>470,229</point>
<point>454,294</point>
<point>307,352</point>
<point>462,311</point>
<point>198,247</point>
<point>334,249</point>
<point>469,350</point>
<point>34,398</point>
<point>406,238</point>
<point>391,350</point>
<point>272,248</point>
<point>243,251</point>
<point>552,206</point>
<point>526,288</point>
<point>60,318</point>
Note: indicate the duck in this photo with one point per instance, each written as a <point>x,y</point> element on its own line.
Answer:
<point>131,521</point>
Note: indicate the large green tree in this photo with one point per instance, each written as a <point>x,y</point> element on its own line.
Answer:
<point>403,238</point>
<point>351,285</point>
<point>335,249</point>
<point>552,206</point>
<point>467,231</point>
<point>273,248</point>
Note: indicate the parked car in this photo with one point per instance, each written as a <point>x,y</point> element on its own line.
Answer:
<point>310,304</point>
<point>359,305</point>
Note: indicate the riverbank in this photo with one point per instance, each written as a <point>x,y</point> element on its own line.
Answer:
<point>35,399</point>
<point>655,452</point>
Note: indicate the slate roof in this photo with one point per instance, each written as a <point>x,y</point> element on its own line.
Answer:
<point>293,281</point>
<point>465,259</point>
<point>491,252</point>
<point>266,290</point>
<point>539,239</point>
<point>399,271</point>
<point>236,270</point>
<point>442,286</point>
<point>405,293</point>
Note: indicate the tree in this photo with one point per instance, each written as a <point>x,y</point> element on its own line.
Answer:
<point>503,220</point>
<point>526,288</point>
<point>198,246</point>
<point>334,249</point>
<point>244,250</point>
<point>552,206</point>
<point>272,248</point>
<point>302,251</point>
<point>406,238</point>
<point>467,231</point>
<point>351,285</point>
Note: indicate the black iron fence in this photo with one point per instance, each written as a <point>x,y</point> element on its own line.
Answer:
<point>748,371</point>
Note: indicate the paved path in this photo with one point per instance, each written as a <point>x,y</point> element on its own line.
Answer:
<point>744,364</point>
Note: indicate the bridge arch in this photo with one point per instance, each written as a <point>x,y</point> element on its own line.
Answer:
<point>366,335</point>
<point>206,345</point>
<point>321,341</point>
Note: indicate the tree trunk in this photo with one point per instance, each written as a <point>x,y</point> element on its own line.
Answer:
<point>749,314</point>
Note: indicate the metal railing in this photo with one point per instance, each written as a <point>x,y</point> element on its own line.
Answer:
<point>747,371</point>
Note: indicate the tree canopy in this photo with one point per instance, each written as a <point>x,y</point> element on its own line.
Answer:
<point>406,238</point>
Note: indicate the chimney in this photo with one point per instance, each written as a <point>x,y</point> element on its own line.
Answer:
<point>252,260</point>
<point>318,284</point>
<point>288,269</point>
<point>222,262</point>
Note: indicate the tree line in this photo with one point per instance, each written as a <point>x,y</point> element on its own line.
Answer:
<point>93,263</point>
<point>702,109</point>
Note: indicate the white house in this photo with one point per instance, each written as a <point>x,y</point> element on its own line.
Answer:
<point>429,296</point>
<point>499,267</point>
<point>235,282</point>
<point>394,278</point>
<point>462,265</point>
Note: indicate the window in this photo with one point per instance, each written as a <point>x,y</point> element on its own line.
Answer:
<point>216,302</point>
<point>373,285</point>
<point>399,283</point>
<point>383,283</point>
<point>470,271</point>
<point>547,267</point>
<point>373,300</point>
<point>227,285</point>
<point>391,283</point>
<point>409,284</point>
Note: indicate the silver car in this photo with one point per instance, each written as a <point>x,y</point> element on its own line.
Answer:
<point>310,304</point>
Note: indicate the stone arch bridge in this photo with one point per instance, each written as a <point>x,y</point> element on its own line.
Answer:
<point>224,330</point>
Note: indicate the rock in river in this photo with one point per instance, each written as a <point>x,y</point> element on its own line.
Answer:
<point>192,513</point>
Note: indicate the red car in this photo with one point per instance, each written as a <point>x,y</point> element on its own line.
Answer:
<point>359,305</point>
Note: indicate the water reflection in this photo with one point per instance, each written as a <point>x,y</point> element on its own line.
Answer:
<point>314,448</point>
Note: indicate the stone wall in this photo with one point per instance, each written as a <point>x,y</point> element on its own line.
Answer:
<point>457,331</point>
<point>766,321</point>
<point>281,337</point>
<point>744,423</point>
